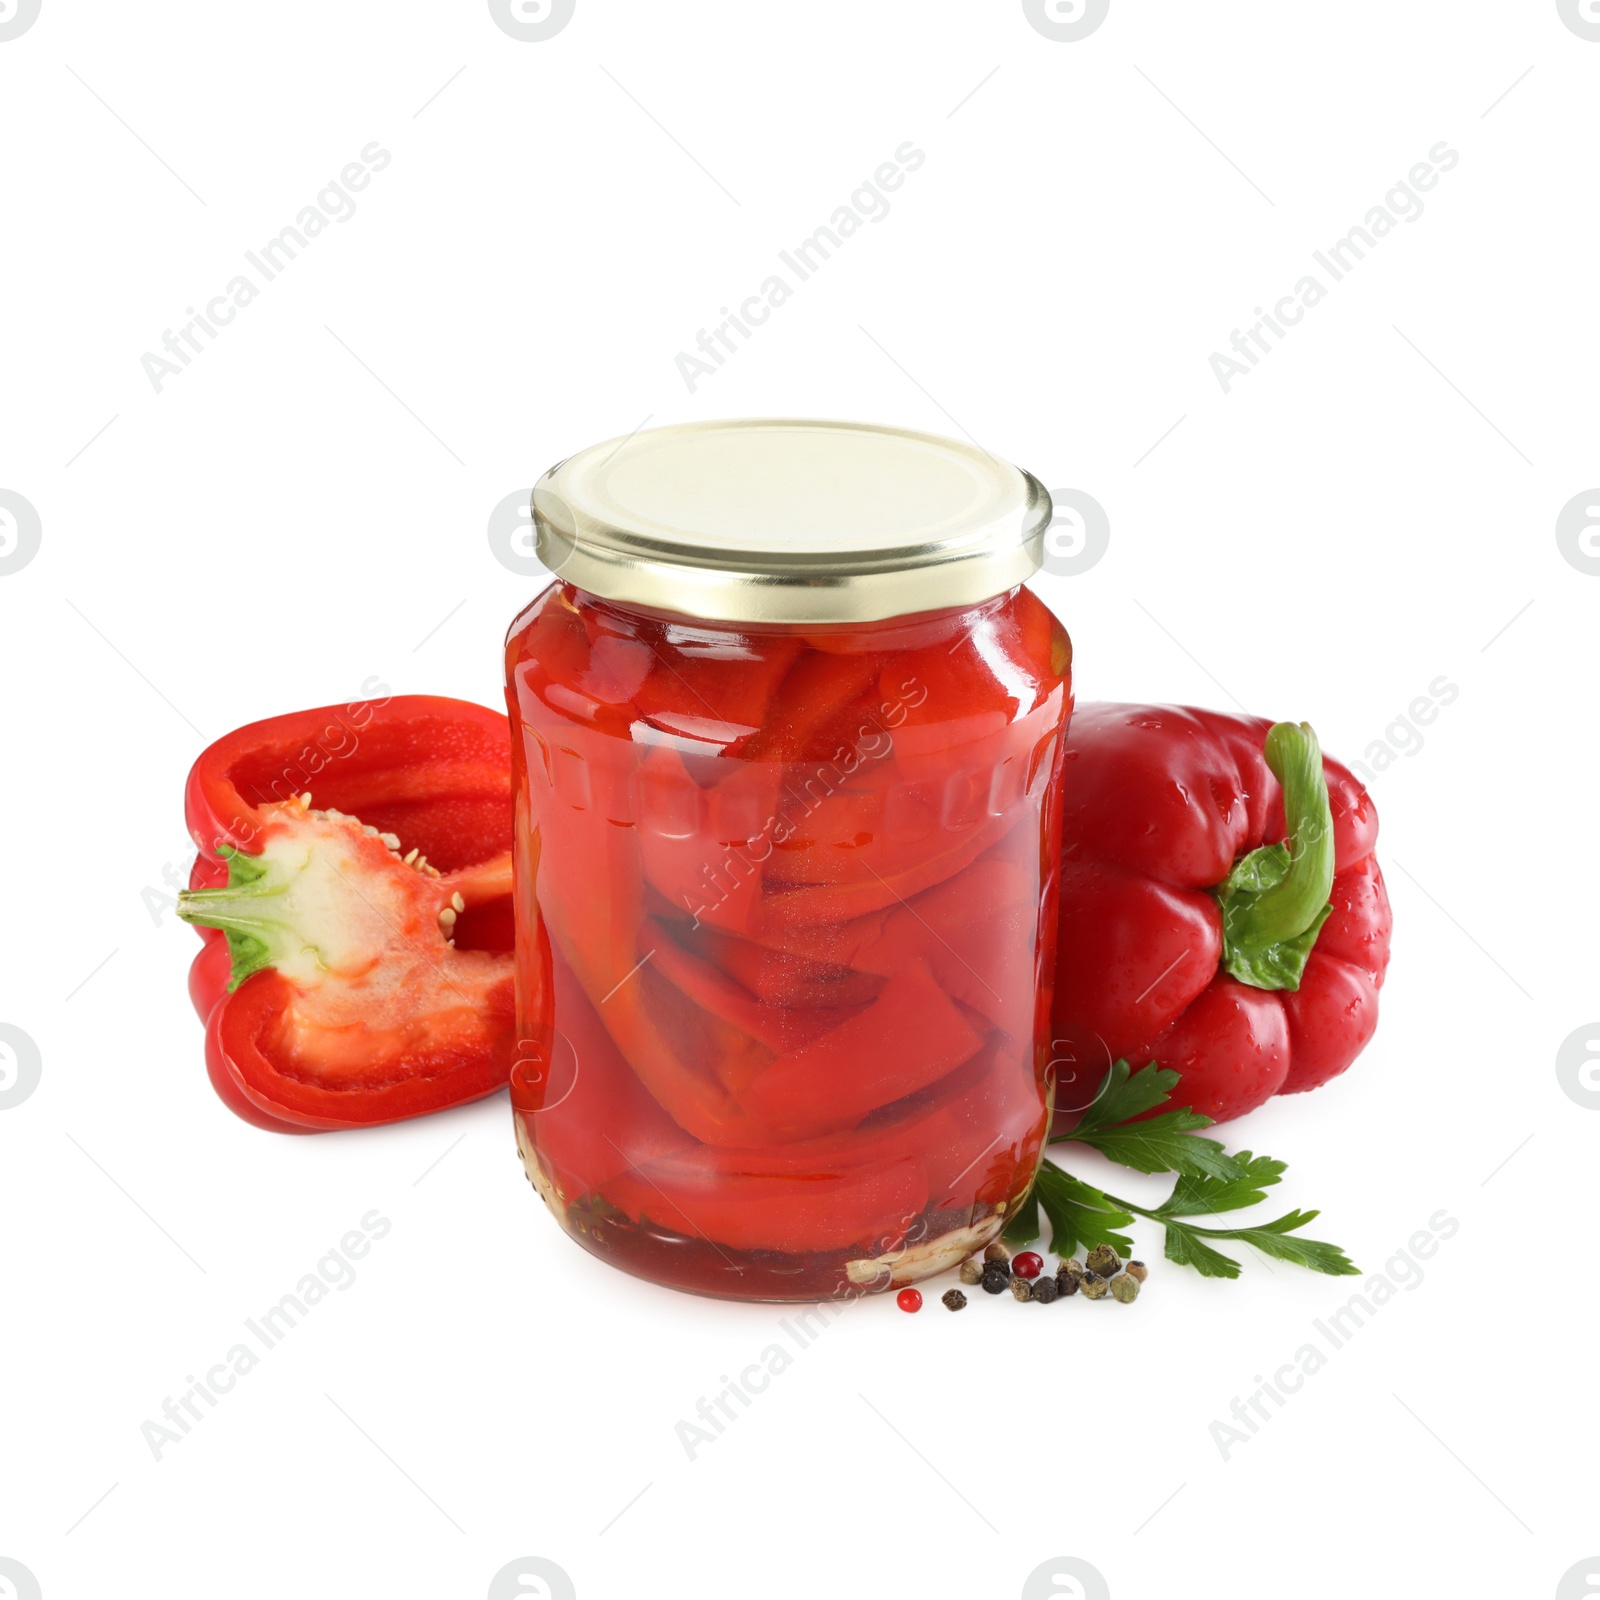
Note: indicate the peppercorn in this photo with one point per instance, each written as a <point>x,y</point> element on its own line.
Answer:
<point>1045,1290</point>
<point>954,1299</point>
<point>972,1271</point>
<point>1104,1260</point>
<point>996,1252</point>
<point>1069,1275</point>
<point>909,1300</point>
<point>1021,1289</point>
<point>1028,1265</point>
<point>1124,1288</point>
<point>1094,1286</point>
<point>1137,1270</point>
<point>995,1278</point>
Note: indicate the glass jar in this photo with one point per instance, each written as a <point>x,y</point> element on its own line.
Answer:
<point>788,744</point>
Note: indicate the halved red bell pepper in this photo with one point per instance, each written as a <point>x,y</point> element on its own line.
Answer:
<point>1222,912</point>
<point>354,891</point>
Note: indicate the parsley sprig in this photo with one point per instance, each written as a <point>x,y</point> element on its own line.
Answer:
<point>1209,1182</point>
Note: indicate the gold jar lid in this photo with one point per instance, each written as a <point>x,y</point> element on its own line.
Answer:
<point>783,520</point>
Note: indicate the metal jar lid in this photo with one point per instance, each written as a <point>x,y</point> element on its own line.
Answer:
<point>783,520</point>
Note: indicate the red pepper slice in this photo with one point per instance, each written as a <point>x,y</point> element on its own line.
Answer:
<point>591,894</point>
<point>702,848</point>
<point>982,1131</point>
<point>587,680</point>
<point>586,1112</point>
<point>909,1037</point>
<point>974,1138</point>
<point>756,1210</point>
<point>333,994</point>
<point>966,930</point>
<point>705,690</point>
<point>779,1028</point>
<point>789,978</point>
<point>812,704</point>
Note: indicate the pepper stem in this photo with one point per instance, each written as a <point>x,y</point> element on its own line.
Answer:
<point>240,910</point>
<point>1275,900</point>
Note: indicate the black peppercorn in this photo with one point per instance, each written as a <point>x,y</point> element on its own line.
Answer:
<point>954,1299</point>
<point>1045,1289</point>
<point>996,1278</point>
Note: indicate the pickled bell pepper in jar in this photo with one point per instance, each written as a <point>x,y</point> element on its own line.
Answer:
<point>788,747</point>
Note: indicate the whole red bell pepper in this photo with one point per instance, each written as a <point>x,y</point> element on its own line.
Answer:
<point>354,891</point>
<point>1222,912</point>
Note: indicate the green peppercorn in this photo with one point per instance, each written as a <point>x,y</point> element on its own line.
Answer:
<point>1045,1290</point>
<point>1137,1270</point>
<point>995,1278</point>
<point>954,1299</point>
<point>1124,1288</point>
<point>996,1252</point>
<point>1094,1286</point>
<point>1104,1260</point>
<point>1022,1288</point>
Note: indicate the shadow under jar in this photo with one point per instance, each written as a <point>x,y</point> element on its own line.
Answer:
<point>788,743</point>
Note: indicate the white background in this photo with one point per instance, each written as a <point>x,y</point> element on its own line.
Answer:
<point>305,508</point>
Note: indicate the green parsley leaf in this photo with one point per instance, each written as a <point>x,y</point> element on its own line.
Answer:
<point>1157,1144</point>
<point>1194,1196</point>
<point>1124,1094</point>
<point>1080,1213</point>
<point>1209,1180</point>
<point>1276,1239</point>
<point>1023,1228</point>
<point>1164,1144</point>
<point>1185,1247</point>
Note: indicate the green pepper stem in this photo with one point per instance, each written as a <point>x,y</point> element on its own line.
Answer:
<point>238,908</point>
<point>1275,899</point>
